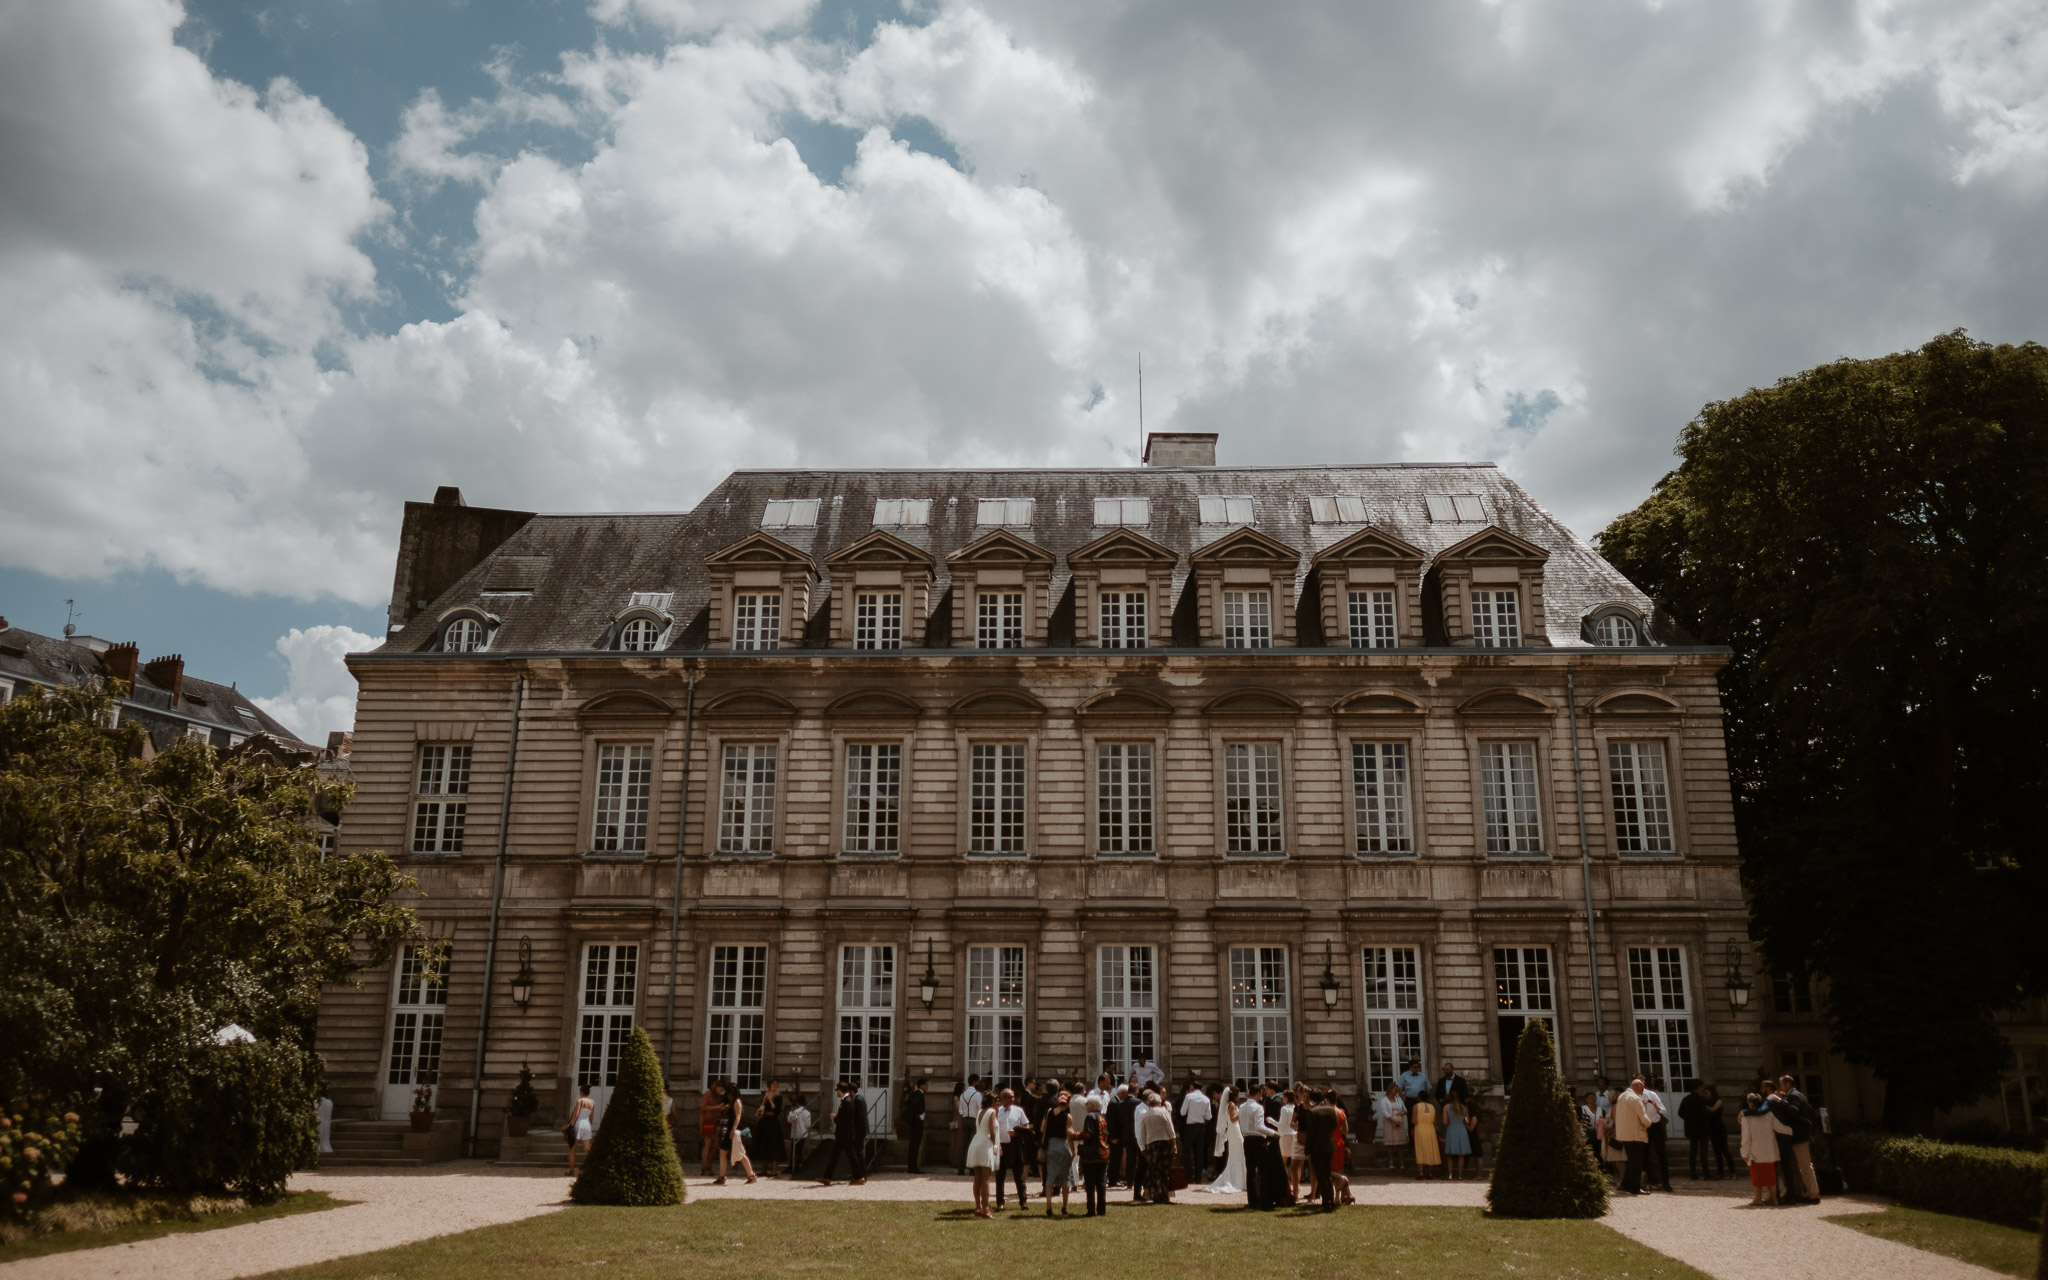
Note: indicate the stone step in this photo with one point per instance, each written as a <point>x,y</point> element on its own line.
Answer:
<point>337,1160</point>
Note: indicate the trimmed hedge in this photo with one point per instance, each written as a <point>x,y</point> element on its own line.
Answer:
<point>1542,1167</point>
<point>633,1158</point>
<point>1993,1183</point>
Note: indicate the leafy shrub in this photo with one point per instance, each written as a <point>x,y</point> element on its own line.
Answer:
<point>36,1141</point>
<point>633,1159</point>
<point>1543,1168</point>
<point>1976,1182</point>
<point>225,1118</point>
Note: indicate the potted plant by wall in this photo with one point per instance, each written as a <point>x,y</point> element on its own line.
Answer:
<point>519,1107</point>
<point>423,1108</point>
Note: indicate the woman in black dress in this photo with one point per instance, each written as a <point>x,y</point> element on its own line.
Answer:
<point>767,1144</point>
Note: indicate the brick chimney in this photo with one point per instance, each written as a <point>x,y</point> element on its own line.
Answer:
<point>119,662</point>
<point>340,743</point>
<point>1180,449</point>
<point>167,672</point>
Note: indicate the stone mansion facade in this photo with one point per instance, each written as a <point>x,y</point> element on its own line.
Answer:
<point>1259,771</point>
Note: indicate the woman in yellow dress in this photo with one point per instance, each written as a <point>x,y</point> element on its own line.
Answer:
<point>1429,1153</point>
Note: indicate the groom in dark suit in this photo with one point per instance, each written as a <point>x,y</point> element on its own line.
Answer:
<point>849,1135</point>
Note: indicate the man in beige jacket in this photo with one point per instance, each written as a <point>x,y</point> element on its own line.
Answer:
<point>1632,1131</point>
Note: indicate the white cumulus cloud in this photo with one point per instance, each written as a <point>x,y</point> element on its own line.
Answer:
<point>319,695</point>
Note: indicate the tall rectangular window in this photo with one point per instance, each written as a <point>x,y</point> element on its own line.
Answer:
<point>1642,798</point>
<point>1372,620</point>
<point>874,795</point>
<point>999,620</point>
<point>1247,619</point>
<point>1123,619</point>
<point>1392,994</point>
<point>419,1009</point>
<point>867,1026</point>
<point>746,799</point>
<point>1261,1040</point>
<point>1507,782</point>
<point>995,798</point>
<point>1656,995</point>
<point>995,1013</point>
<point>625,782</point>
<point>735,1027</point>
<point>1123,798</point>
<point>441,808</point>
<point>757,620</point>
<point>1127,1001</point>
<point>878,619</point>
<point>1251,798</point>
<point>611,973</point>
<point>1496,619</point>
<point>1379,798</point>
<point>1522,989</point>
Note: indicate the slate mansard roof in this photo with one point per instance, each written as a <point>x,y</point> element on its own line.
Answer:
<point>581,571</point>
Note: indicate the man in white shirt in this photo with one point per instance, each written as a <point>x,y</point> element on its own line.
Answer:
<point>1136,1162</point>
<point>1258,1131</point>
<point>1009,1119</point>
<point>1198,1121</point>
<point>1148,1074</point>
<point>799,1134</point>
<point>969,1109</point>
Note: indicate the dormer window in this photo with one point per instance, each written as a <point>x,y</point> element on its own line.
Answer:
<point>791,513</point>
<point>1617,630</point>
<point>1226,510</point>
<point>757,620</point>
<point>1497,619</point>
<point>903,511</point>
<point>1004,513</point>
<point>641,635</point>
<point>878,620</point>
<point>1129,512</point>
<point>1247,619</point>
<point>464,635</point>
<point>1344,508</point>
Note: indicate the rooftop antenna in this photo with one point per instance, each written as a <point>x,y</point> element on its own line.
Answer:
<point>71,616</point>
<point>1141,406</point>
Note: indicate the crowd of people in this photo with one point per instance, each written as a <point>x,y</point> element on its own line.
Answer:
<point>1629,1130</point>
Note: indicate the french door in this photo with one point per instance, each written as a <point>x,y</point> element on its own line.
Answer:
<point>604,1016</point>
<point>867,1027</point>
<point>419,1004</point>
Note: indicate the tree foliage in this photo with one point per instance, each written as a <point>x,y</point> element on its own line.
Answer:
<point>1871,538</point>
<point>633,1159</point>
<point>145,904</point>
<point>1543,1169</point>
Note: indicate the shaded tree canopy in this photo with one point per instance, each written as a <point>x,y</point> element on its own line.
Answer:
<point>1871,539</point>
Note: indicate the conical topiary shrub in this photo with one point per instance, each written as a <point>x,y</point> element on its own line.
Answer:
<point>1543,1168</point>
<point>633,1159</point>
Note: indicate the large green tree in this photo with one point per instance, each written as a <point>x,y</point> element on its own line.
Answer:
<point>1871,538</point>
<point>147,903</point>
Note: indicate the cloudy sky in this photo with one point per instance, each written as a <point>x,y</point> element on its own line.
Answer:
<point>270,267</point>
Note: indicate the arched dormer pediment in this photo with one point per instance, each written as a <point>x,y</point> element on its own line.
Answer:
<point>879,549</point>
<point>1247,546</point>
<point>464,629</point>
<point>1505,701</point>
<point>751,702</point>
<point>875,702</point>
<point>1126,702</point>
<point>624,703</point>
<point>1121,547</point>
<point>1637,702</point>
<point>1002,549</point>
<point>997,702</point>
<point>1252,702</point>
<point>1379,702</point>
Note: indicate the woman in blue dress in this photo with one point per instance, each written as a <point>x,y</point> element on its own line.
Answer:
<point>1457,1133</point>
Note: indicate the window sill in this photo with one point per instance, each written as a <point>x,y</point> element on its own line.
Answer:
<point>863,855</point>
<point>974,856</point>
<point>1113,855</point>
<point>1409,856</point>
<point>1649,857</point>
<point>726,855</point>
<point>593,856</point>
<point>1518,857</point>
<point>1279,856</point>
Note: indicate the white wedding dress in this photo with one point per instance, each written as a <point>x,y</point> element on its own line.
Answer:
<point>1229,1138</point>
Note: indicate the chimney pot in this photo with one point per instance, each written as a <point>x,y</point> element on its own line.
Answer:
<point>168,672</point>
<point>120,661</point>
<point>449,495</point>
<point>1180,449</point>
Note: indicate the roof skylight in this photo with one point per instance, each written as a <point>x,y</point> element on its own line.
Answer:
<point>1226,510</point>
<point>1344,508</point>
<point>1011,513</point>
<point>790,513</point>
<point>1455,508</point>
<point>903,511</point>
<point>1124,511</point>
<point>657,600</point>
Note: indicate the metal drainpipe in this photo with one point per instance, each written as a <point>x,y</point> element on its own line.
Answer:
<point>675,915</point>
<point>1571,696</point>
<point>483,1022</point>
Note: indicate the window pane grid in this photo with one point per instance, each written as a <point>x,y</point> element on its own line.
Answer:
<point>746,800</point>
<point>1123,797</point>
<point>1247,619</point>
<point>999,620</point>
<point>878,620</point>
<point>1372,619</point>
<point>1251,798</point>
<point>995,786</point>
<point>625,781</point>
<point>438,822</point>
<point>1642,798</point>
<point>610,974</point>
<point>1521,980</point>
<point>1379,797</point>
<point>1260,1041</point>
<point>1496,619</point>
<point>756,621</point>
<point>639,636</point>
<point>735,1028</point>
<point>1392,995</point>
<point>1123,619</point>
<point>995,1030</point>
<point>874,787</point>
<point>1508,785</point>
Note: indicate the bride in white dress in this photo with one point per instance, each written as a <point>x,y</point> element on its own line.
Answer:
<point>1230,1138</point>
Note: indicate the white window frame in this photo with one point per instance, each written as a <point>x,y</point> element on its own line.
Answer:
<point>999,619</point>
<point>790,513</point>
<point>1525,980</point>
<point>1497,617</point>
<point>1004,513</point>
<point>1248,618</point>
<point>1122,618</point>
<point>438,818</point>
<point>1341,508</point>
<point>622,799</point>
<point>903,512</point>
<point>419,1015</point>
<point>996,1012</point>
<point>1129,513</point>
<point>1254,815</point>
<point>872,822</point>
<point>1126,1005</point>
<point>878,619</point>
<point>1510,786</point>
<point>1371,615</point>
<point>996,801</point>
<point>1383,821</point>
<point>465,635</point>
<point>748,775</point>
<point>1126,786</point>
<point>1660,1010</point>
<point>640,635</point>
<point>605,1002</point>
<point>866,1043</point>
<point>1617,630</point>
<point>1261,1014</point>
<point>736,1016</point>
<point>1391,993</point>
<point>756,621</point>
<point>1639,785</point>
<point>1232,509</point>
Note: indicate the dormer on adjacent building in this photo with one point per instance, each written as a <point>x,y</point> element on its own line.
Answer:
<point>1244,591</point>
<point>881,592</point>
<point>1123,592</point>
<point>760,597</point>
<point>1490,590</point>
<point>1371,591</point>
<point>1002,587</point>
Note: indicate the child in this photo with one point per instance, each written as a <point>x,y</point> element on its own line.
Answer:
<point>1760,1130</point>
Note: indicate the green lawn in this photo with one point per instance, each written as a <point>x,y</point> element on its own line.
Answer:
<point>905,1241</point>
<point>97,1220</point>
<point>1987,1244</point>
